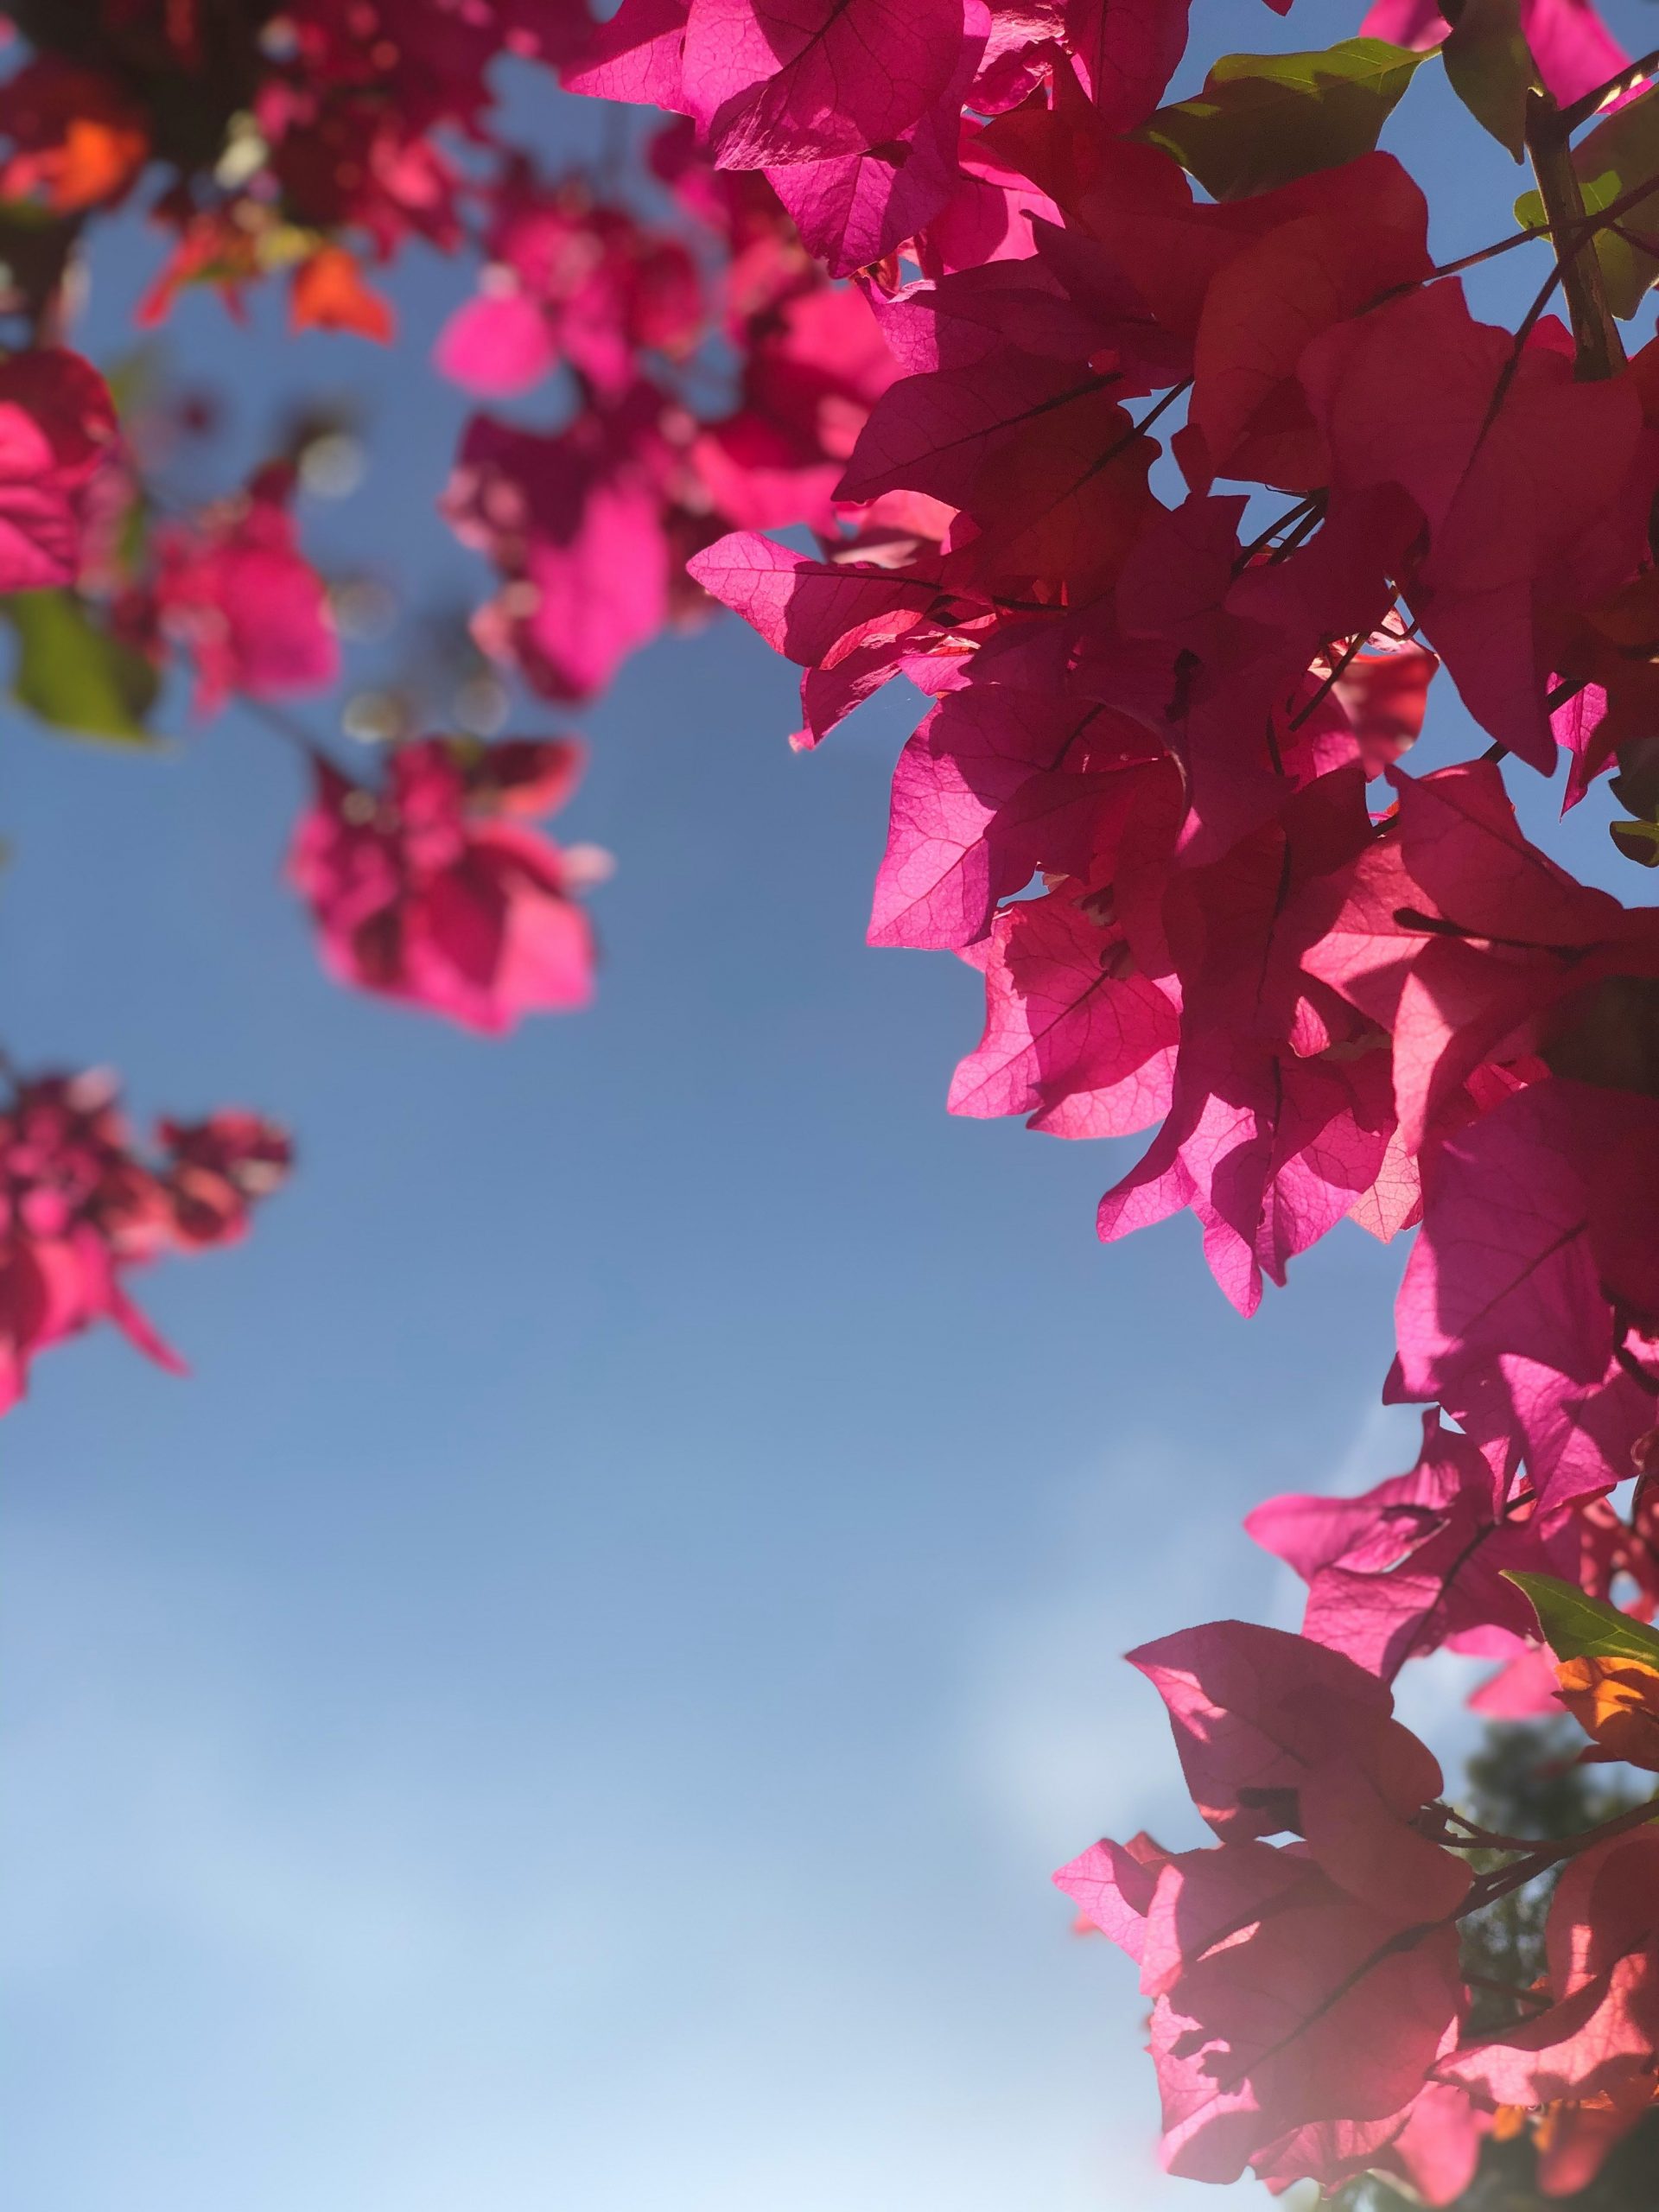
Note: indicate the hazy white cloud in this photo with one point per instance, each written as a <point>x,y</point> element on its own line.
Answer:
<point>1058,1735</point>
<point>293,1988</point>
<point>1060,1740</point>
<point>348,1985</point>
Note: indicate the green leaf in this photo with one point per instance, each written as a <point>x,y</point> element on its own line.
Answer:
<point>1577,1626</point>
<point>1265,119</point>
<point>1637,840</point>
<point>1619,156</point>
<point>1490,68</point>
<point>73,674</point>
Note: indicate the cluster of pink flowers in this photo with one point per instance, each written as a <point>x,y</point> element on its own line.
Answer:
<point>435,890</point>
<point>58,433</point>
<point>231,589</point>
<point>229,586</point>
<point>1158,800</point>
<point>80,1208</point>
<point>1308,2002</point>
<point>722,378</point>
<point>590,527</point>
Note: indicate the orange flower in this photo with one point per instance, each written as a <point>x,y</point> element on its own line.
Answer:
<point>76,139</point>
<point>1616,1701</point>
<point>329,293</point>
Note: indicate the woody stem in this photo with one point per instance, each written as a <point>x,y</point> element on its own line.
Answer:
<point>1600,350</point>
<point>1543,1857</point>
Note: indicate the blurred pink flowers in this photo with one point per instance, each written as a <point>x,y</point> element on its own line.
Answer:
<point>430,890</point>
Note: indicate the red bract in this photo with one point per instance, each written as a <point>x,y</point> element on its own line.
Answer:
<point>1353,236</point>
<point>1419,1561</point>
<point>567,280</point>
<point>1282,2002</point>
<point>1540,1239</point>
<point>1577,1439</point>
<point>1279,1733</point>
<point>577,523</point>
<point>1469,945</point>
<point>431,891</point>
<point>1598,2036</point>
<point>57,430</point>
<point>1125,56</point>
<point>1280,1119</point>
<point>1522,477</point>
<point>1434,2147</point>
<point>635,55</point>
<point>79,1208</point>
<point>1292,2026</point>
<point>995,786</point>
<point>1073,1036</point>
<point>220,1167</point>
<point>773,84</point>
<point>234,590</point>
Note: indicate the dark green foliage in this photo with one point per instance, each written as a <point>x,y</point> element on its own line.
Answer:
<point>1490,67</point>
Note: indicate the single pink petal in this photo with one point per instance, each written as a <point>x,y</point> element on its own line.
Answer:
<point>497,345</point>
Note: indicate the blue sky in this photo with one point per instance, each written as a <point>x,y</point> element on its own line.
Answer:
<point>573,1706</point>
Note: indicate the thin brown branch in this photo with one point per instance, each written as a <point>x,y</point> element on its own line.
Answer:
<point>1339,668</point>
<point>1529,237</point>
<point>1623,80</point>
<point>1543,1857</point>
<point>1304,510</point>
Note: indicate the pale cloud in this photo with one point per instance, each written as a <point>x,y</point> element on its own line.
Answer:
<point>1058,1736</point>
<point>311,1977</point>
<point>293,1986</point>
<point>1058,1740</point>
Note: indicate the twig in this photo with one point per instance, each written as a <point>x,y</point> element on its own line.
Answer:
<point>1302,511</point>
<point>1511,367</point>
<point>1541,1857</point>
<point>1590,102</point>
<point>1533,232</point>
<point>1339,668</point>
